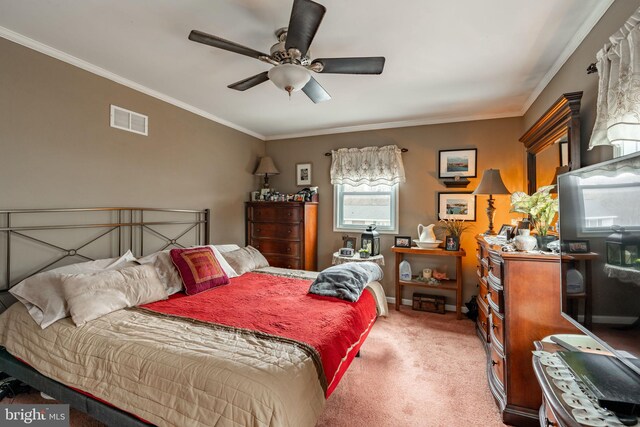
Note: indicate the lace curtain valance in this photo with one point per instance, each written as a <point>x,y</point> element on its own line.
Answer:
<point>618,110</point>
<point>369,166</point>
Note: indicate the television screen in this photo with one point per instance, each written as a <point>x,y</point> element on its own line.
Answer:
<point>599,226</point>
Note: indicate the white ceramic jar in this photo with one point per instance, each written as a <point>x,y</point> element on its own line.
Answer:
<point>524,241</point>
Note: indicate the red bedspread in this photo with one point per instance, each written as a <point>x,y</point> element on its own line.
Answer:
<point>281,306</point>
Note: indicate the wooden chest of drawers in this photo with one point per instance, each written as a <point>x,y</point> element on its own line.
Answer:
<point>286,233</point>
<point>518,303</point>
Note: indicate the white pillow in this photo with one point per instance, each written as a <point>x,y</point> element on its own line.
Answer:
<point>92,295</point>
<point>42,293</point>
<point>169,274</point>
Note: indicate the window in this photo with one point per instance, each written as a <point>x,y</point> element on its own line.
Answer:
<point>357,207</point>
<point>608,201</point>
<point>624,148</point>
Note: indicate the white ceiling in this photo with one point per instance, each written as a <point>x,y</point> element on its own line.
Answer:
<point>445,60</point>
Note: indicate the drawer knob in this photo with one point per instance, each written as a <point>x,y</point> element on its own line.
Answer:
<point>288,213</point>
<point>548,422</point>
<point>258,230</point>
<point>288,249</point>
<point>289,231</point>
<point>493,363</point>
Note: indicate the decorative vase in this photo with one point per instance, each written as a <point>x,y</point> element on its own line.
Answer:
<point>543,241</point>
<point>524,241</point>
<point>452,243</point>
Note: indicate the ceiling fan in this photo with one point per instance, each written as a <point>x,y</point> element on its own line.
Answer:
<point>290,56</point>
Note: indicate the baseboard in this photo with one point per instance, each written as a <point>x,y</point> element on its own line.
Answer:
<point>611,320</point>
<point>447,307</point>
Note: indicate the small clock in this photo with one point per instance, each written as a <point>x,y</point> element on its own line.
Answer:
<point>346,252</point>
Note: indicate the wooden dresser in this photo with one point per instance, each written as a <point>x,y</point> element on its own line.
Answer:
<point>518,303</point>
<point>285,232</point>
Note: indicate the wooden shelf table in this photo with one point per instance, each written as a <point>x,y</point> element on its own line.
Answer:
<point>449,285</point>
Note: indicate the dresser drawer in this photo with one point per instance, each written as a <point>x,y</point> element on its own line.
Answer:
<point>284,262</point>
<point>495,296</point>
<point>496,329</point>
<point>497,365</point>
<point>482,322</point>
<point>276,230</point>
<point>280,213</point>
<point>483,290</point>
<point>495,266</point>
<point>281,247</point>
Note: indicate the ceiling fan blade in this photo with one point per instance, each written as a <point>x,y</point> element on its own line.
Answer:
<point>364,65</point>
<point>315,92</point>
<point>306,16</point>
<point>250,82</point>
<point>208,39</point>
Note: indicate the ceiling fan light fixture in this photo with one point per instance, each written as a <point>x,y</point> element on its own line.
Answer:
<point>289,77</point>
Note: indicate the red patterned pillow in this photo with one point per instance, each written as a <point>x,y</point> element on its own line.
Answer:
<point>199,269</point>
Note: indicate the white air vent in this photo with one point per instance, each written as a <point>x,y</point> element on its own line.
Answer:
<point>129,120</point>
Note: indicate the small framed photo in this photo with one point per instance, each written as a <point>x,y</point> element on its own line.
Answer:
<point>303,174</point>
<point>457,206</point>
<point>577,246</point>
<point>457,163</point>
<point>402,242</point>
<point>506,231</point>
<point>349,242</point>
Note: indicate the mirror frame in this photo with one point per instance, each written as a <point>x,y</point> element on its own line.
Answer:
<point>563,117</point>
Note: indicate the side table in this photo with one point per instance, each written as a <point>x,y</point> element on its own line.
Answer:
<point>451,285</point>
<point>339,259</point>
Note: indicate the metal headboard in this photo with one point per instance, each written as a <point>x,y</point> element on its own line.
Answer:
<point>121,228</point>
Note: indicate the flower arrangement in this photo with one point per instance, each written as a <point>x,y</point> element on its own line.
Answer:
<point>540,206</point>
<point>453,227</point>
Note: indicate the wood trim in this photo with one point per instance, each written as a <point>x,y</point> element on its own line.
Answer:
<point>563,117</point>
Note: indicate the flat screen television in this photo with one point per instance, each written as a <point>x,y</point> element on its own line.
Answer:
<point>599,227</point>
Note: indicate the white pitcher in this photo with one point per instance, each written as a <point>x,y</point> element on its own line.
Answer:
<point>426,234</point>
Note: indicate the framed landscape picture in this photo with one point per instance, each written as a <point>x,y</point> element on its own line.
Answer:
<point>462,163</point>
<point>457,206</point>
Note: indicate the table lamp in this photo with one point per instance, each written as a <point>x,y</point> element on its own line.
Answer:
<point>491,184</point>
<point>266,168</point>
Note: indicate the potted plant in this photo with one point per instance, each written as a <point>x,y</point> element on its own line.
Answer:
<point>453,229</point>
<point>364,253</point>
<point>541,208</point>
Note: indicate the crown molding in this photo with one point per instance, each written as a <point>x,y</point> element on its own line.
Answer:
<point>391,125</point>
<point>584,30</point>
<point>87,66</point>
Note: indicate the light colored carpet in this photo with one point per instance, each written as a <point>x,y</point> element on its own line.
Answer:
<point>416,369</point>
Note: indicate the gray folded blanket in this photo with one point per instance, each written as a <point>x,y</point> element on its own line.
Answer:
<point>346,281</point>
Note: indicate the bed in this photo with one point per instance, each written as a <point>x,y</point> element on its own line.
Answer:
<point>258,351</point>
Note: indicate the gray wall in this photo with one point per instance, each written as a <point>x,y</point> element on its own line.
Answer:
<point>498,147</point>
<point>57,149</point>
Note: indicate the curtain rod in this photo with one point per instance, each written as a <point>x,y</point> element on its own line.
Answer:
<point>404,150</point>
<point>592,68</point>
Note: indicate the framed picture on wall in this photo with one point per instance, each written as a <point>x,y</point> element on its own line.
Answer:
<point>457,163</point>
<point>303,174</point>
<point>457,206</point>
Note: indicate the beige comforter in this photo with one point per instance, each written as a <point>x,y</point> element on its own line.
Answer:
<point>174,373</point>
<point>170,372</point>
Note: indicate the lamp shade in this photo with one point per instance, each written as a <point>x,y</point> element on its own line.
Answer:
<point>266,167</point>
<point>491,183</point>
<point>289,77</point>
